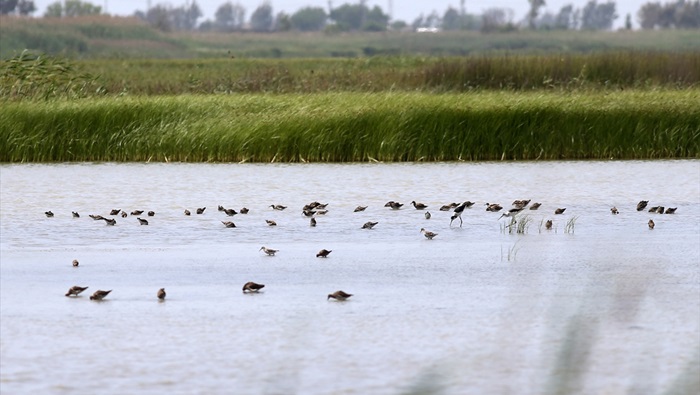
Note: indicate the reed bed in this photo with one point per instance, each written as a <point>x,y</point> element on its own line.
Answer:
<point>346,127</point>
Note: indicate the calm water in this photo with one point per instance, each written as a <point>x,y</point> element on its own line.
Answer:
<point>606,307</point>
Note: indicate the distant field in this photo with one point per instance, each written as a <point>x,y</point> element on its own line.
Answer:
<point>118,38</point>
<point>345,127</point>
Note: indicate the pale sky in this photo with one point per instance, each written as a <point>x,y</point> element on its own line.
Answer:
<point>406,10</point>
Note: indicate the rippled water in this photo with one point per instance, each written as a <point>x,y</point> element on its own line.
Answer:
<point>606,307</point>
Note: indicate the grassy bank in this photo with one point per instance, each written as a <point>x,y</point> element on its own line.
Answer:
<point>338,127</point>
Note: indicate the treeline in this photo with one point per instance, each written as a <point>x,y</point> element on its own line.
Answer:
<point>232,16</point>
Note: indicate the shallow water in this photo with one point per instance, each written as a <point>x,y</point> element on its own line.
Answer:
<point>606,307</point>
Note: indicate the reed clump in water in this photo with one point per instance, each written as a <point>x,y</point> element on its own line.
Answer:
<point>345,127</point>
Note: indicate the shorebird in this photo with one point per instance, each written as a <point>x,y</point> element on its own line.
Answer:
<point>614,210</point>
<point>268,251</point>
<point>123,214</point>
<point>252,287</point>
<point>187,212</point>
<point>137,212</point>
<point>151,213</point>
<point>448,207</point>
<point>394,205</point>
<point>75,214</point>
<point>339,296</point>
<point>323,253</point>
<point>653,209</point>
<point>493,207</point>
<point>321,212</point>
<point>535,206</point>
<point>308,213</point>
<point>427,215</point>
<point>75,263</point>
<point>642,205</point>
<point>115,211</point>
<point>96,217</point>
<point>671,210</point>
<point>49,214</point>
<point>651,224</point>
<point>271,222</point>
<point>228,224</point>
<point>369,225</point>
<point>161,294</point>
<point>312,222</point>
<point>221,208</point>
<point>278,207</point>
<point>560,210</point>
<point>511,213</point>
<point>521,203</point>
<point>418,206</point>
<point>548,224</point>
<point>321,205</point>
<point>660,210</point>
<point>360,208</point>
<point>244,210</point>
<point>428,235</point>
<point>75,290</point>
<point>142,221</point>
<point>110,221</point>
<point>201,210</point>
<point>458,212</point>
<point>99,295</point>
<point>230,212</point>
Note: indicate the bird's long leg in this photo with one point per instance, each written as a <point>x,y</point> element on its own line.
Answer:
<point>460,221</point>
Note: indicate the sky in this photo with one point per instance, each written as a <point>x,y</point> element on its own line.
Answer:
<point>406,10</point>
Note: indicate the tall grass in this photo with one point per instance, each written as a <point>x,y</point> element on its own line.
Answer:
<point>343,127</point>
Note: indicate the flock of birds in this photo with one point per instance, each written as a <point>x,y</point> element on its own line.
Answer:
<point>314,209</point>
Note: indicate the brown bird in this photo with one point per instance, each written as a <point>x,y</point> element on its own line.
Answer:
<point>671,210</point>
<point>535,206</point>
<point>49,214</point>
<point>339,296</point>
<point>244,210</point>
<point>653,209</point>
<point>642,205</point>
<point>151,213</point>
<point>230,212</point>
<point>99,295</point>
<point>521,203</point>
<point>369,225</point>
<point>548,224</point>
<point>75,214</point>
<point>161,294</point>
<point>252,287</point>
<point>110,221</point>
<point>428,235</point>
<point>115,211</point>
<point>96,217</point>
<point>187,212</point>
<point>201,210</point>
<point>312,222</point>
<point>221,208</point>
<point>75,263</point>
<point>123,214</point>
<point>268,251</point>
<point>271,222</point>
<point>75,290</point>
<point>321,212</point>
<point>278,207</point>
<point>308,213</point>
<point>651,224</point>
<point>614,210</point>
<point>137,212</point>
<point>418,206</point>
<point>323,253</point>
<point>448,207</point>
<point>560,211</point>
<point>393,205</point>
<point>228,224</point>
<point>360,208</point>
<point>142,221</point>
<point>493,207</point>
<point>428,215</point>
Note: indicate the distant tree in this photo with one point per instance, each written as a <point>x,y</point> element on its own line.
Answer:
<point>159,17</point>
<point>497,19</point>
<point>376,20</point>
<point>680,14</point>
<point>451,20</point>
<point>628,22</point>
<point>309,19</point>
<point>648,15</point>
<point>7,6</point>
<point>229,17</point>
<point>261,20</point>
<point>185,17</point>
<point>688,15</point>
<point>26,7</point>
<point>535,6</point>
<point>418,22</point>
<point>398,25</point>
<point>349,16</point>
<point>598,16</point>
<point>54,10</point>
<point>283,22</point>
<point>433,20</point>
<point>564,20</point>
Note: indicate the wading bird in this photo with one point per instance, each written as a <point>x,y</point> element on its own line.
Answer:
<point>252,287</point>
<point>418,206</point>
<point>268,251</point>
<point>360,208</point>
<point>560,210</point>
<point>228,224</point>
<point>75,290</point>
<point>369,225</point>
<point>642,205</point>
<point>339,296</point>
<point>142,221</point>
<point>99,295</point>
<point>651,224</point>
<point>161,294</point>
<point>323,253</point>
<point>428,235</point>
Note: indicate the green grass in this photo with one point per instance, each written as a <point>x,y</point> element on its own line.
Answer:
<point>343,127</point>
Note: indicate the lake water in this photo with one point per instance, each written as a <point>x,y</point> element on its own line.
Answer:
<point>603,305</point>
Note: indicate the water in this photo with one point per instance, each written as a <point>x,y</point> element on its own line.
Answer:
<point>606,307</point>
